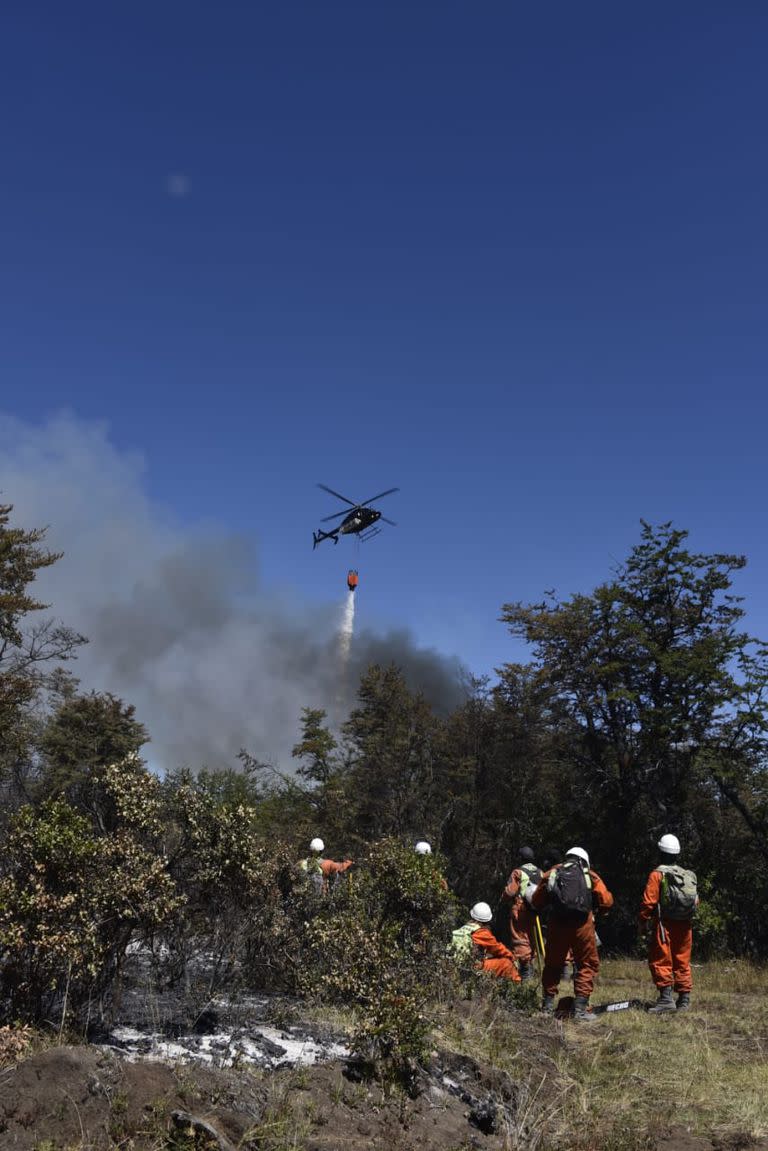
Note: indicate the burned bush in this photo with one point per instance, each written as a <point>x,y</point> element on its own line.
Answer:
<point>376,944</point>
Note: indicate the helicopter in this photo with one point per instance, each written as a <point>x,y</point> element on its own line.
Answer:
<point>360,521</point>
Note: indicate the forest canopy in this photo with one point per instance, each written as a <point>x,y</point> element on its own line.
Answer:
<point>641,710</point>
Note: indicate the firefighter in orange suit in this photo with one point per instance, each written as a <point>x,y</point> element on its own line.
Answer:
<point>490,955</point>
<point>670,920</point>
<point>521,918</point>
<point>320,870</point>
<point>571,891</point>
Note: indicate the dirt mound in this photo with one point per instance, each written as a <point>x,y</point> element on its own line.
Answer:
<point>330,1112</point>
<point>75,1096</point>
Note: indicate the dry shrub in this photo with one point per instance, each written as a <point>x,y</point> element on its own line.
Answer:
<point>15,1042</point>
<point>70,900</point>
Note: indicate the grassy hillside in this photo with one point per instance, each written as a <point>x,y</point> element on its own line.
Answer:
<point>630,1079</point>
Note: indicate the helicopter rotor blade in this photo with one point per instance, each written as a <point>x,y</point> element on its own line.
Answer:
<point>392,523</point>
<point>380,496</point>
<point>335,516</point>
<point>339,496</point>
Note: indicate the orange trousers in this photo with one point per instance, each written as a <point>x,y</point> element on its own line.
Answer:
<point>670,960</point>
<point>563,935</point>
<point>520,931</point>
<point>503,967</point>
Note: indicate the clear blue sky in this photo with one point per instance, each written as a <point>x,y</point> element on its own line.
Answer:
<point>511,257</point>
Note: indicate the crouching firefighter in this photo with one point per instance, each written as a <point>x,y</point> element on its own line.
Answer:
<point>476,942</point>
<point>571,892</point>
<point>669,902</point>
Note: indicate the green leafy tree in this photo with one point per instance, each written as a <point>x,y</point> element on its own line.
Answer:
<point>29,653</point>
<point>499,783</point>
<point>226,786</point>
<point>284,807</point>
<point>325,771</point>
<point>643,678</point>
<point>83,737</point>
<point>316,750</point>
<point>394,742</point>
<point>466,815</point>
<point>89,731</point>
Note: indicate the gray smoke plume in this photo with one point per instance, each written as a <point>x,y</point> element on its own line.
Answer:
<point>178,620</point>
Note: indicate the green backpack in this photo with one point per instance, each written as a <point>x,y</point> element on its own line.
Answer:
<point>461,946</point>
<point>678,895</point>
<point>530,876</point>
<point>313,871</point>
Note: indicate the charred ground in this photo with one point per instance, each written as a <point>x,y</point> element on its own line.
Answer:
<point>496,1076</point>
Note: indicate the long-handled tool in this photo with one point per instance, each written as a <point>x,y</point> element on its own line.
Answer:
<point>538,942</point>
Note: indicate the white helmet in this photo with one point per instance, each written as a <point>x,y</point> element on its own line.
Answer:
<point>482,913</point>
<point>580,853</point>
<point>317,845</point>
<point>423,848</point>
<point>669,844</point>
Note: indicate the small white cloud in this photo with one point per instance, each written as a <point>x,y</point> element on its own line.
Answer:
<point>177,186</point>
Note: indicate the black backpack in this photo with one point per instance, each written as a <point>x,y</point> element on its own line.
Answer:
<point>570,889</point>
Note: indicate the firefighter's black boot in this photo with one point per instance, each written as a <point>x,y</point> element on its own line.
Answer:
<point>581,1012</point>
<point>526,970</point>
<point>548,1005</point>
<point>684,1001</point>
<point>665,1002</point>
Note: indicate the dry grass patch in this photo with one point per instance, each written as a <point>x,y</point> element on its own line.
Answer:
<point>706,1070</point>
<point>619,1084</point>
